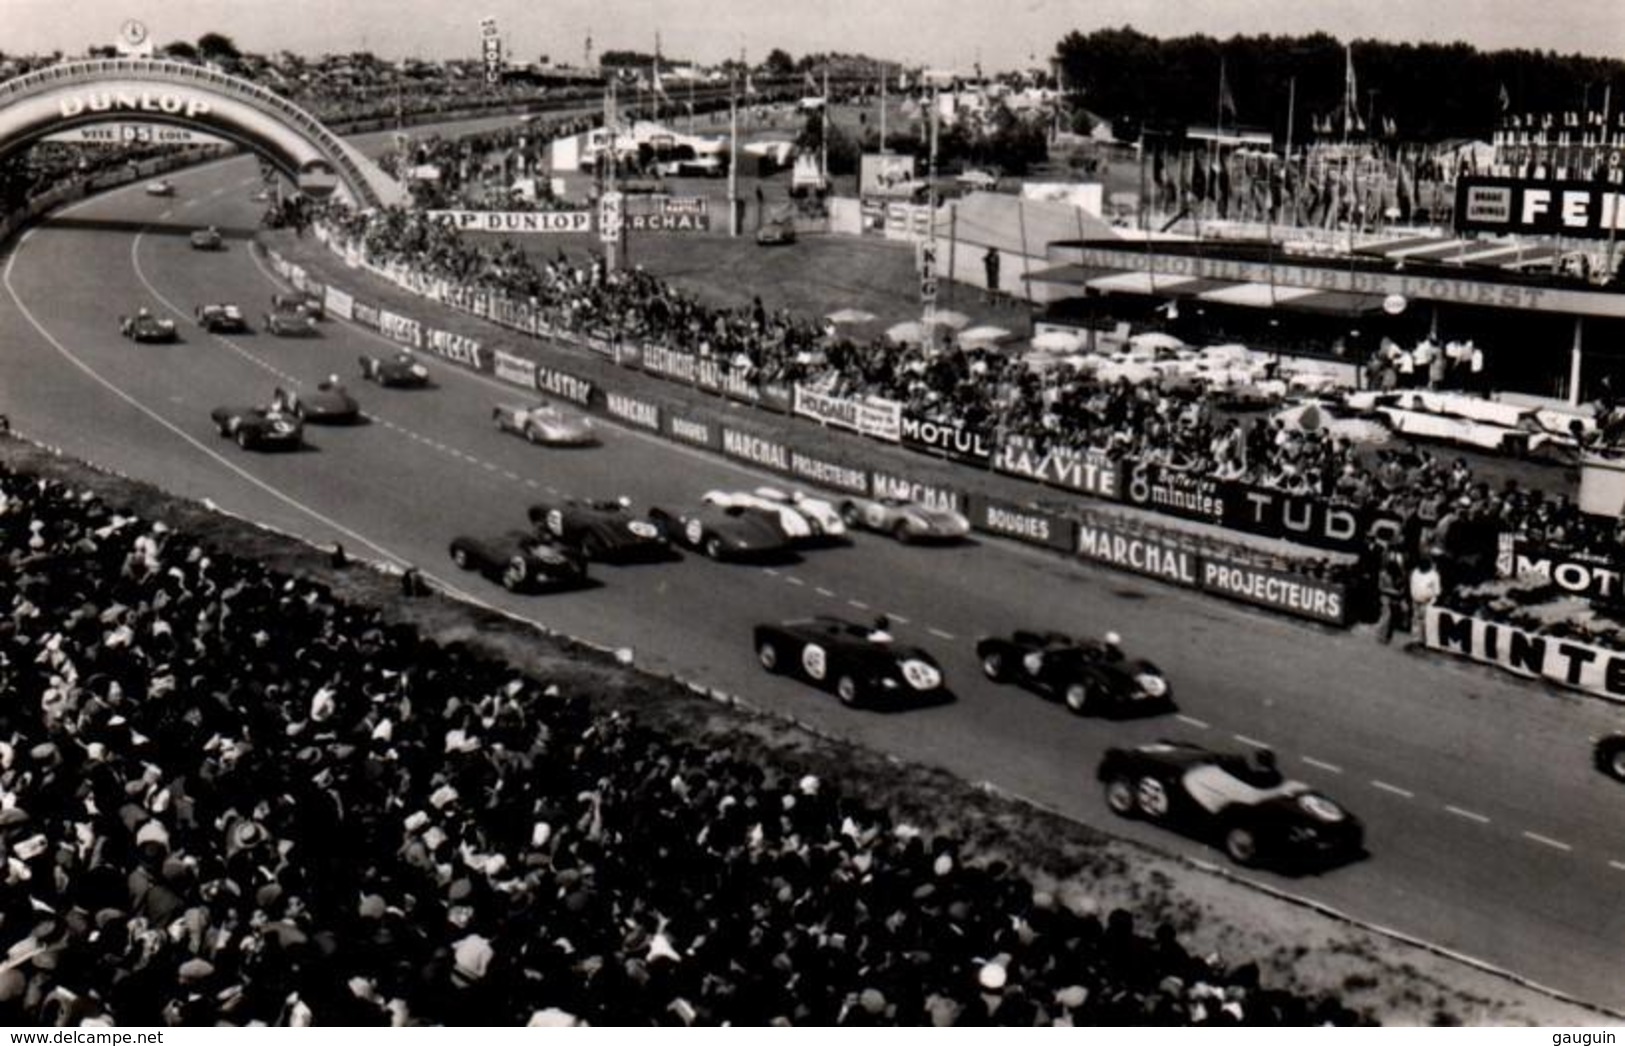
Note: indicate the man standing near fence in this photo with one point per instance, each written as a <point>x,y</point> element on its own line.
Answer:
<point>990,268</point>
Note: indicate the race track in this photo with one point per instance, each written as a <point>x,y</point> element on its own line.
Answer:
<point>1489,832</point>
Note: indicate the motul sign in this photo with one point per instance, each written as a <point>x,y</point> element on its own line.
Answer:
<point>135,102</point>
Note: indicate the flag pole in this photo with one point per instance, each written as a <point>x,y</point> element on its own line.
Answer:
<point>733,156</point>
<point>883,108</point>
<point>823,139</point>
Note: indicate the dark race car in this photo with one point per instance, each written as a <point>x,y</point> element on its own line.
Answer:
<point>520,561</point>
<point>259,428</point>
<point>1610,756</point>
<point>733,532</point>
<point>859,664</point>
<point>207,240</point>
<point>400,371</point>
<point>307,302</point>
<point>328,404</point>
<point>1237,801</point>
<point>223,318</point>
<point>145,327</point>
<point>289,321</point>
<point>1090,676</point>
<point>605,531</point>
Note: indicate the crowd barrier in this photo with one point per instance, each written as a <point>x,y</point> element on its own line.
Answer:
<point>1151,552</point>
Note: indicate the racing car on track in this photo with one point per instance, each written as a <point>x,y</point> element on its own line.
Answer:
<point>1239,801</point>
<point>284,320</point>
<point>1091,676</point>
<point>207,240</point>
<point>329,404</point>
<point>306,302</point>
<point>734,532</point>
<point>520,561</point>
<point>605,531</point>
<point>904,520</point>
<point>161,187</point>
<point>144,326</point>
<point>221,318</point>
<point>1610,756</point>
<point>795,526</point>
<point>547,423</point>
<point>824,518</point>
<point>259,428</point>
<point>859,664</point>
<point>400,371</point>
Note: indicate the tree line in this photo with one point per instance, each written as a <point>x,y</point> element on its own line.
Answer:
<point>1413,92</point>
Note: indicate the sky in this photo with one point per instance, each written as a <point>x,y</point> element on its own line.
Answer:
<point>1001,34</point>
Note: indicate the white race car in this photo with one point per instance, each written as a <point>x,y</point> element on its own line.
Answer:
<point>546,422</point>
<point>792,523</point>
<point>160,188</point>
<point>824,516</point>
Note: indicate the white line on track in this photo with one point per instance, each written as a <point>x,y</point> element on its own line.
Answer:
<point>940,634</point>
<point>1468,814</point>
<point>1251,742</point>
<point>1193,721</point>
<point>858,603</point>
<point>1384,786</point>
<point>898,619</point>
<point>1618,866</point>
<point>794,580</point>
<point>1321,764</point>
<point>770,572</point>
<point>1546,840</point>
<point>825,592</point>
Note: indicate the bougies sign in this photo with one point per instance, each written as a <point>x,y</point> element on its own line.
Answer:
<point>1580,666</point>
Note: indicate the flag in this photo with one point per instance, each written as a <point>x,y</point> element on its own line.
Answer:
<point>812,85</point>
<point>1351,93</point>
<point>750,85</point>
<point>659,85</point>
<point>1506,98</point>
<point>1227,101</point>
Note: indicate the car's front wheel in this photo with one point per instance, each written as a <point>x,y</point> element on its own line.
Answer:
<point>768,655</point>
<point>846,691</point>
<point>531,435</point>
<point>901,531</point>
<point>994,667</point>
<point>459,556</point>
<point>513,576</point>
<point>1611,757</point>
<point>1076,696</point>
<point>1241,844</point>
<point>850,515</point>
<point>1120,796</point>
<point>713,547</point>
<point>242,438</point>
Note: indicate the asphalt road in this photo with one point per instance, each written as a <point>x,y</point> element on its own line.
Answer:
<point>1489,833</point>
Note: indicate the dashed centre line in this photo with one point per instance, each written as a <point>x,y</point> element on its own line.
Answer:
<point>1193,721</point>
<point>858,603</point>
<point>1321,764</point>
<point>1468,814</point>
<point>940,634</point>
<point>825,592</point>
<point>1546,840</point>
<point>1249,741</point>
<point>1384,786</point>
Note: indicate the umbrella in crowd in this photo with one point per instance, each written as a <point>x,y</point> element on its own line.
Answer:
<point>909,332</point>
<point>850,316</point>
<point>950,318</point>
<point>1156,340</point>
<point>984,335</point>
<point>1054,340</point>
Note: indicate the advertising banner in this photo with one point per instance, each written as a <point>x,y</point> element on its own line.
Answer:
<point>1566,662</point>
<point>694,433</point>
<point>403,329</point>
<point>367,315</point>
<point>713,375</point>
<point>1023,523</point>
<point>755,450</point>
<point>891,485</point>
<point>1575,572</point>
<point>1540,207</point>
<point>1173,492</point>
<point>886,174</point>
<point>875,417</point>
<point>339,303</point>
<point>458,348</point>
<point>668,214</point>
<point>514,370</point>
<point>1086,471</point>
<point>642,413</point>
<point>948,439</point>
<point>565,386</point>
<point>1308,521</point>
<point>847,478</point>
<point>518,222</point>
<point>1294,594</point>
<point>1148,554</point>
<point>678,366</point>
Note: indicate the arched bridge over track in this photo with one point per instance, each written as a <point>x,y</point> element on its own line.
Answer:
<point>154,91</point>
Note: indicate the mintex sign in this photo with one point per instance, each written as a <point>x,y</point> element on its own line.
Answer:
<point>1585,210</point>
<point>1566,662</point>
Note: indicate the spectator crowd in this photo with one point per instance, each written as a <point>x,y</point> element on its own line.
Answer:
<point>228,796</point>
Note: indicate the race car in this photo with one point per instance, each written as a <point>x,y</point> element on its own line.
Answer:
<point>821,515</point>
<point>605,531</point>
<point>905,520</point>
<point>306,302</point>
<point>1239,801</point>
<point>548,423</point>
<point>160,187</point>
<point>731,533</point>
<point>859,664</point>
<point>330,404</point>
<point>400,371</point>
<point>222,318</point>
<point>207,240</point>
<point>779,232</point>
<point>259,428</point>
<point>284,320</point>
<point>520,561</point>
<point>1610,756</point>
<point>144,326</point>
<point>1092,677</point>
<point>795,526</point>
